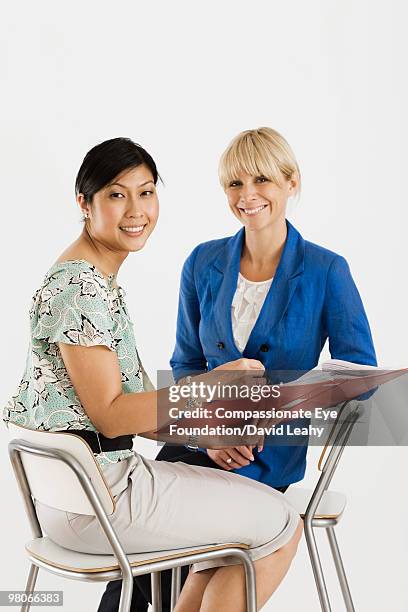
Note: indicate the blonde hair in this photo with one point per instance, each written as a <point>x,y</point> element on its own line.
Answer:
<point>260,152</point>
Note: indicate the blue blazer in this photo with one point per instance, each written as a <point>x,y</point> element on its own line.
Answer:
<point>312,298</point>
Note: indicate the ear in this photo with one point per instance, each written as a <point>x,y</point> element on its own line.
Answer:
<point>293,185</point>
<point>83,205</point>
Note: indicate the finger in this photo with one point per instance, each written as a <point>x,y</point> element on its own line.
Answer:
<point>261,440</point>
<point>227,465</point>
<point>257,373</point>
<point>251,379</point>
<point>262,431</point>
<point>236,457</point>
<point>216,456</point>
<point>245,451</point>
<point>232,459</point>
<point>253,364</point>
<point>224,464</point>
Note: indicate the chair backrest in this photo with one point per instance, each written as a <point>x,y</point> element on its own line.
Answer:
<point>52,481</point>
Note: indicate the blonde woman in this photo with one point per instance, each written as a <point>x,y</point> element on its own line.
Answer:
<point>83,374</point>
<point>266,294</point>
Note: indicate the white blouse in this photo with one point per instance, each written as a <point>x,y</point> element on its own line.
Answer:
<point>246,306</point>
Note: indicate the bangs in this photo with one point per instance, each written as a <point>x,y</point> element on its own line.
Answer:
<point>262,152</point>
<point>244,155</point>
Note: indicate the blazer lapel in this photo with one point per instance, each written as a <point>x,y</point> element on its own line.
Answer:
<point>282,289</point>
<point>223,283</point>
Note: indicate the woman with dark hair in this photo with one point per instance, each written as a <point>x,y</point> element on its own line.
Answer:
<point>83,375</point>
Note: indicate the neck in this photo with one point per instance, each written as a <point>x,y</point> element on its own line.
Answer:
<point>264,247</point>
<point>98,254</point>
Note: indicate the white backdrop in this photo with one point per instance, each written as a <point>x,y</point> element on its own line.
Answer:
<point>182,79</point>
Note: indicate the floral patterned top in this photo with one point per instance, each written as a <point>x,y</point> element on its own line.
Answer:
<point>74,305</point>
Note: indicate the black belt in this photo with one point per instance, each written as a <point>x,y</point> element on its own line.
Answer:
<point>104,444</point>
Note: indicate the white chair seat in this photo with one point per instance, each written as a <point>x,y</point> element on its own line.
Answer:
<point>47,551</point>
<point>331,505</point>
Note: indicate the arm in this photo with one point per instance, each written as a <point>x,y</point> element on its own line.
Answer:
<point>188,357</point>
<point>73,312</point>
<point>95,374</point>
<point>345,320</point>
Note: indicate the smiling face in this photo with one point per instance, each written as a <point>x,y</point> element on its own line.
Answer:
<point>123,214</point>
<point>257,201</point>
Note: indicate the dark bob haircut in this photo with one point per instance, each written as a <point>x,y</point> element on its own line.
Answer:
<point>108,159</point>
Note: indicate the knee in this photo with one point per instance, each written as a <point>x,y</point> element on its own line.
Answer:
<point>205,574</point>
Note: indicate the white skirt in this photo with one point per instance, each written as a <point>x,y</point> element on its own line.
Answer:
<point>163,506</point>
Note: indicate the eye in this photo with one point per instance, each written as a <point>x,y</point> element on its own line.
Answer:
<point>235,183</point>
<point>116,194</point>
<point>261,179</point>
<point>146,193</point>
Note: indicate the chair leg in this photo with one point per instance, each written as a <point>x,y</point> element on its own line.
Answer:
<point>338,562</point>
<point>156,592</point>
<point>30,585</point>
<point>250,584</point>
<point>126,595</point>
<point>175,586</point>
<point>317,568</point>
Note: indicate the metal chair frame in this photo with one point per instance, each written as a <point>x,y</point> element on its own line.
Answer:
<point>126,572</point>
<point>344,428</point>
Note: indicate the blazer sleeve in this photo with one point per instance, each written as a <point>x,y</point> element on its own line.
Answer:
<point>188,357</point>
<point>345,319</point>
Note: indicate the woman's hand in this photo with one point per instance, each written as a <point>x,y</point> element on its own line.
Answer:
<point>232,458</point>
<point>242,372</point>
<point>241,364</point>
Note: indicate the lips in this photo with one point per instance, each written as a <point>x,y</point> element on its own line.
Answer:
<point>132,230</point>
<point>253,211</point>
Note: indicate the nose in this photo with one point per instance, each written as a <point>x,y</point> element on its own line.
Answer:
<point>135,208</point>
<point>248,192</point>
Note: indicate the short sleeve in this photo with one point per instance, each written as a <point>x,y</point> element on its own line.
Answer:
<point>73,307</point>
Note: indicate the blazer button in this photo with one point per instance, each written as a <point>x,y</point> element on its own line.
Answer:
<point>264,348</point>
<point>220,345</point>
